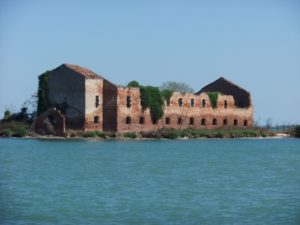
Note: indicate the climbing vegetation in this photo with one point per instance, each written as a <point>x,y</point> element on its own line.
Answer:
<point>152,98</point>
<point>43,102</point>
<point>213,98</point>
<point>166,94</point>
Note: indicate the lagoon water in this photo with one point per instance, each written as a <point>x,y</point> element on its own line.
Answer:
<point>215,181</point>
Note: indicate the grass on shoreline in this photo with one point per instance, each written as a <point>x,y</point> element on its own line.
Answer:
<point>21,129</point>
<point>193,133</point>
<point>14,128</point>
<point>177,134</point>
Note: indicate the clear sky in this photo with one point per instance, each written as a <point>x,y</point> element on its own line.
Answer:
<point>255,44</point>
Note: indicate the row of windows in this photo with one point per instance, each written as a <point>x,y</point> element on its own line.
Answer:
<point>179,121</point>
<point>180,102</point>
<point>191,121</point>
<point>192,103</point>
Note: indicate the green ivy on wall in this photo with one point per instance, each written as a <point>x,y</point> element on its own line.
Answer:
<point>152,98</point>
<point>43,101</point>
<point>213,98</point>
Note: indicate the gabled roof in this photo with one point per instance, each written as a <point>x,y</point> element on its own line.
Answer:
<point>241,96</point>
<point>82,71</point>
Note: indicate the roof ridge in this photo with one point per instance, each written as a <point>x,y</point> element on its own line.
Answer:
<point>232,83</point>
<point>87,73</point>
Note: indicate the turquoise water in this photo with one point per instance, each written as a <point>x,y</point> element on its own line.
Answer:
<point>241,181</point>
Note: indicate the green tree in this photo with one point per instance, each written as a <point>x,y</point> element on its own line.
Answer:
<point>133,84</point>
<point>7,115</point>
<point>176,86</point>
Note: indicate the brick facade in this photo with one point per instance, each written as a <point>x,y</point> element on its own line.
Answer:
<point>97,104</point>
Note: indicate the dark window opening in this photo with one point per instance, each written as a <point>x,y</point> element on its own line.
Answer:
<point>154,122</point>
<point>245,123</point>
<point>96,119</point>
<point>97,101</point>
<point>192,102</point>
<point>203,121</point>
<point>225,104</point>
<point>168,120</point>
<point>214,122</point>
<point>128,101</point>
<point>235,122</point>
<point>142,120</point>
<point>51,119</point>
<point>179,120</point>
<point>180,103</point>
<point>191,121</point>
<point>225,122</point>
<point>128,120</point>
<point>168,102</point>
<point>203,103</point>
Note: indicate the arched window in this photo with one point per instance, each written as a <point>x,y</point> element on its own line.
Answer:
<point>128,101</point>
<point>191,121</point>
<point>96,119</point>
<point>168,102</point>
<point>180,103</point>
<point>168,120</point>
<point>128,120</point>
<point>192,102</point>
<point>203,121</point>
<point>214,122</point>
<point>225,104</point>
<point>235,122</point>
<point>142,120</point>
<point>179,120</point>
<point>203,103</point>
<point>225,122</point>
<point>97,101</point>
<point>245,123</point>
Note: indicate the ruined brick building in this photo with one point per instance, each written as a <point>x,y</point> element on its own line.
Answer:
<point>95,103</point>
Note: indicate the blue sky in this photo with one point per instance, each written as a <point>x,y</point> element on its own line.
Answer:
<point>255,44</point>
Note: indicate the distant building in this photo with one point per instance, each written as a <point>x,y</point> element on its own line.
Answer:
<point>94,103</point>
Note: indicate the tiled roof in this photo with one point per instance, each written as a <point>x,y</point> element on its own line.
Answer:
<point>83,71</point>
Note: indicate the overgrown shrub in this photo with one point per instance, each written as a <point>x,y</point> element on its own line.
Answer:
<point>21,132</point>
<point>129,135</point>
<point>297,131</point>
<point>170,133</point>
<point>101,134</point>
<point>90,134</point>
<point>6,132</point>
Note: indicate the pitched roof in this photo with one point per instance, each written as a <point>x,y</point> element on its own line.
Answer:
<point>241,96</point>
<point>83,71</point>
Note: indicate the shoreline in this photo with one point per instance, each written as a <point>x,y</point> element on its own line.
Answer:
<point>120,138</point>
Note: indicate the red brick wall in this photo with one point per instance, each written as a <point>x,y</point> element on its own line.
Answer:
<point>174,111</point>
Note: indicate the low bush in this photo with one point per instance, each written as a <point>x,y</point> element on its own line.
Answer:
<point>170,134</point>
<point>90,134</point>
<point>297,131</point>
<point>100,134</point>
<point>129,135</point>
<point>21,132</point>
<point>6,132</point>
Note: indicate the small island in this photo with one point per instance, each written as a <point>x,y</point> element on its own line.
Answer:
<point>73,101</point>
